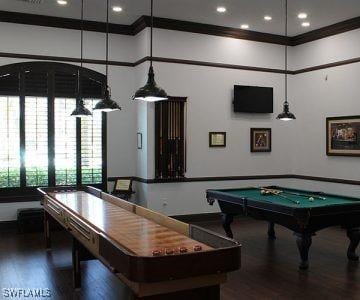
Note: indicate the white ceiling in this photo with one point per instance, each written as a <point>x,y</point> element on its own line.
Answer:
<point>321,12</point>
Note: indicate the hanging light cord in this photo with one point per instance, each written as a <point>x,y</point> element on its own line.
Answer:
<point>82,33</point>
<point>81,45</point>
<point>107,41</point>
<point>151,33</point>
<point>286,50</point>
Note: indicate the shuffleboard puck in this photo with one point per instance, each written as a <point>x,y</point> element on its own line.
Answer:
<point>157,253</point>
<point>169,251</point>
<point>197,248</point>
<point>183,249</point>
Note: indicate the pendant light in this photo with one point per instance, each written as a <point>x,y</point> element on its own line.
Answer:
<point>107,104</point>
<point>81,111</point>
<point>151,92</point>
<point>286,115</point>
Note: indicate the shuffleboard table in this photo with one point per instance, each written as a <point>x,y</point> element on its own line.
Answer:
<point>155,256</point>
<point>304,212</point>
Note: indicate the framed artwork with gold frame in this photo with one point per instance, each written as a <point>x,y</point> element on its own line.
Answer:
<point>217,139</point>
<point>343,136</point>
<point>260,139</point>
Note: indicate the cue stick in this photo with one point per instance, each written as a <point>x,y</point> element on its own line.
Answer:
<point>273,192</point>
<point>305,195</point>
<point>299,194</point>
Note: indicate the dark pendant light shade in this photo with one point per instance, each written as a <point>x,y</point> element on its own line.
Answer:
<point>81,111</point>
<point>286,115</point>
<point>107,104</point>
<point>151,92</point>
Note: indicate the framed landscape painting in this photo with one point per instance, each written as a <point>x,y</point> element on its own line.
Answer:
<point>260,139</point>
<point>343,136</point>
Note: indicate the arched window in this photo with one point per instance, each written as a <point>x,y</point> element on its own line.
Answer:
<point>40,144</point>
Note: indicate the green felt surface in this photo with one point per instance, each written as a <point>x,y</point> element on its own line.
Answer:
<point>304,202</point>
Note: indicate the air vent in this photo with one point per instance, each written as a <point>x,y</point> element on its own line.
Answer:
<point>32,1</point>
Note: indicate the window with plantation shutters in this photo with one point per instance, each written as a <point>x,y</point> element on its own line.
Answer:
<point>10,141</point>
<point>41,144</point>
<point>36,141</point>
<point>91,146</point>
<point>170,161</point>
<point>65,142</point>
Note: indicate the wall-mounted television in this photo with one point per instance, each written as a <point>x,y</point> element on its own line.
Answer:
<point>253,99</point>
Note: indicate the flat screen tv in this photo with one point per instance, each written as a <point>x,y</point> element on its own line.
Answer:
<point>253,99</point>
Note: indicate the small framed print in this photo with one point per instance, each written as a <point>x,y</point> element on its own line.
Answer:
<point>139,140</point>
<point>343,136</point>
<point>217,139</point>
<point>260,139</point>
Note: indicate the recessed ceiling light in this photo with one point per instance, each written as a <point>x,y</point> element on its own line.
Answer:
<point>244,26</point>
<point>117,8</point>
<point>302,15</point>
<point>267,18</point>
<point>305,24</point>
<point>221,9</point>
<point>62,2</point>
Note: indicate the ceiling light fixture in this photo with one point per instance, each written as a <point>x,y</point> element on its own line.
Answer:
<point>302,16</point>
<point>305,24</point>
<point>286,115</point>
<point>151,92</point>
<point>221,9</point>
<point>62,2</point>
<point>81,111</point>
<point>106,104</point>
<point>117,9</point>
<point>244,26</point>
<point>267,18</point>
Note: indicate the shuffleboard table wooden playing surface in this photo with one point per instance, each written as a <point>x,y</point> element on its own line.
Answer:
<point>155,256</point>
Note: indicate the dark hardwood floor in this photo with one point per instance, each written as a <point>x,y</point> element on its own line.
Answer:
<point>269,268</point>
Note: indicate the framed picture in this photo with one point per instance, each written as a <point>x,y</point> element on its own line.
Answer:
<point>217,139</point>
<point>343,136</point>
<point>139,140</point>
<point>260,139</point>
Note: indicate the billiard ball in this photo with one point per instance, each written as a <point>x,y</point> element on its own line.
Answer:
<point>311,199</point>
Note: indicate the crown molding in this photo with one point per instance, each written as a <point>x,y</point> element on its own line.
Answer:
<point>178,25</point>
<point>317,34</point>
<point>64,23</point>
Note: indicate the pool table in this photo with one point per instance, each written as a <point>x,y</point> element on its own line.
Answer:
<point>304,212</point>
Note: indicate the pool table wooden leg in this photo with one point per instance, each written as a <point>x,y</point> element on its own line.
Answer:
<point>303,241</point>
<point>354,236</point>
<point>271,231</point>
<point>227,219</point>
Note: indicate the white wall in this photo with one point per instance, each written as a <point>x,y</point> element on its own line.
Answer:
<point>298,147</point>
<point>321,94</point>
<point>328,50</point>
